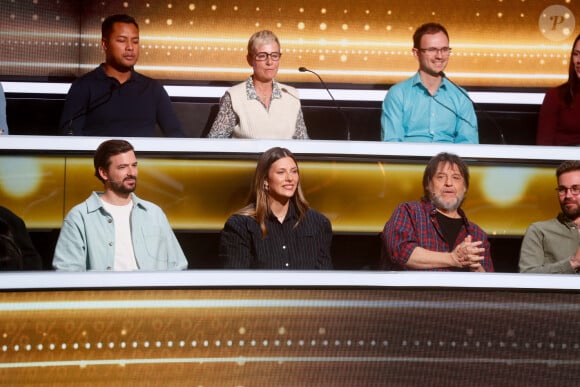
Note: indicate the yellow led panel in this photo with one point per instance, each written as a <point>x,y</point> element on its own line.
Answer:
<point>201,194</point>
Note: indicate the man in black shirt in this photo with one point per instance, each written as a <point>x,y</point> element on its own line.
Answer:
<point>16,249</point>
<point>114,99</point>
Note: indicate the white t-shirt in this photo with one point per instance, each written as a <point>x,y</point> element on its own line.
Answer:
<point>124,253</point>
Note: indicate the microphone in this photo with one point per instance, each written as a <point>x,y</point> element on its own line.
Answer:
<point>344,117</point>
<point>101,100</point>
<point>285,90</point>
<point>494,122</point>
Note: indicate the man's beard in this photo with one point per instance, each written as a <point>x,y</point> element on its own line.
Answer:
<point>571,214</point>
<point>121,188</point>
<point>447,206</point>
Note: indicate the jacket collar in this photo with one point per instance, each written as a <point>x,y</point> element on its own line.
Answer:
<point>292,213</point>
<point>94,202</point>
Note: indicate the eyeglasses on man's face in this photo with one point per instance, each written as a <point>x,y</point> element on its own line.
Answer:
<point>435,50</point>
<point>563,190</point>
<point>262,56</point>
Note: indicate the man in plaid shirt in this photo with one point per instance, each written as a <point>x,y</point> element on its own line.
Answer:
<point>434,234</point>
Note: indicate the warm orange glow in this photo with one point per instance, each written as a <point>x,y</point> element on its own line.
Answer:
<point>497,44</point>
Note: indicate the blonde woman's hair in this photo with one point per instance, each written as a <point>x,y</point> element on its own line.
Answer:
<point>261,37</point>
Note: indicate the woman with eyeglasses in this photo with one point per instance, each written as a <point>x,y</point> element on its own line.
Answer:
<point>276,229</point>
<point>260,107</point>
<point>559,122</point>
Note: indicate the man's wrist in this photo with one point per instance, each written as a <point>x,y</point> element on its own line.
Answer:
<point>454,259</point>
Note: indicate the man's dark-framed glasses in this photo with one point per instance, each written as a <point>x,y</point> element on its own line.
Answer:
<point>563,190</point>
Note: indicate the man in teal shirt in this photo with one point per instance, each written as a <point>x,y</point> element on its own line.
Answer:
<point>427,107</point>
<point>115,230</point>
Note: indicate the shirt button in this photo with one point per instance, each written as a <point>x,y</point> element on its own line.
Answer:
<point>110,220</point>
<point>286,264</point>
<point>284,247</point>
<point>110,243</point>
<point>109,268</point>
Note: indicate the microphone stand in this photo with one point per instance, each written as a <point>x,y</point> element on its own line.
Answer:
<point>344,117</point>
<point>495,124</point>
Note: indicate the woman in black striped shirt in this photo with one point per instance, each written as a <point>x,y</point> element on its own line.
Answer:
<point>277,229</point>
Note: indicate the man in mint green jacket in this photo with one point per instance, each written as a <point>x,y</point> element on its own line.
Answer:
<point>114,229</point>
